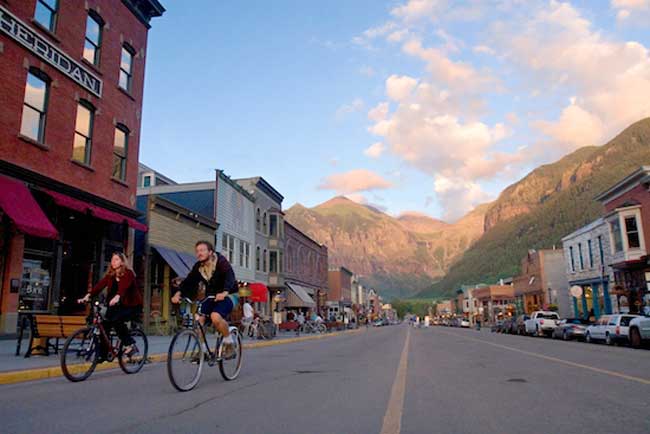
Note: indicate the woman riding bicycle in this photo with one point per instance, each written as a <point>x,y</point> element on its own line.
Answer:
<point>215,273</point>
<point>125,301</point>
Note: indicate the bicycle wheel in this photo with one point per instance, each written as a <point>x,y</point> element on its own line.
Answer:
<point>230,367</point>
<point>185,360</point>
<point>79,354</point>
<point>321,328</point>
<point>136,359</point>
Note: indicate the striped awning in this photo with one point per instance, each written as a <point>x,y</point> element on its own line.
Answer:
<point>298,296</point>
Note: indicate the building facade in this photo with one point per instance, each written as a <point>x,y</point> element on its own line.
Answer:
<point>494,302</point>
<point>587,255</point>
<point>269,239</point>
<point>305,270</point>
<point>166,251</point>
<point>339,297</point>
<point>225,202</point>
<point>543,283</point>
<point>627,216</point>
<point>236,233</point>
<point>73,80</point>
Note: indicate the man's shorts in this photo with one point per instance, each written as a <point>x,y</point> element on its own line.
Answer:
<point>222,307</point>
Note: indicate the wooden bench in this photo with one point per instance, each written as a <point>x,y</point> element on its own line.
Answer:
<point>52,327</point>
<point>289,326</point>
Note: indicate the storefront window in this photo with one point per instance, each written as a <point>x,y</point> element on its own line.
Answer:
<point>36,284</point>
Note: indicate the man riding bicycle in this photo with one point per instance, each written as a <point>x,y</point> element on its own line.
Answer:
<point>214,272</point>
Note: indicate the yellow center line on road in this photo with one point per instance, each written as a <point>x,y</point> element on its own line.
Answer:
<point>393,417</point>
<point>555,359</point>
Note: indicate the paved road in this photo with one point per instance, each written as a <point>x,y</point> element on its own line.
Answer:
<point>385,380</point>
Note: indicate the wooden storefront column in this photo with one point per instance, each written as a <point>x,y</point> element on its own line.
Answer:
<point>166,296</point>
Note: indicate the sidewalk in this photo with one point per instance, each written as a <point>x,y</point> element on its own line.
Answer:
<point>15,369</point>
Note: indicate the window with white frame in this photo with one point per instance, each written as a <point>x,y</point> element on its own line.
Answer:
<point>257,258</point>
<point>241,253</point>
<point>228,247</point>
<point>247,255</point>
<point>264,261</point>
<point>632,232</point>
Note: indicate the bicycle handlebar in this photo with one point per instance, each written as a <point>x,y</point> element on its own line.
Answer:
<point>190,301</point>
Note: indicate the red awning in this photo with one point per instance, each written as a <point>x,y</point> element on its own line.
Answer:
<point>259,292</point>
<point>18,203</point>
<point>97,211</point>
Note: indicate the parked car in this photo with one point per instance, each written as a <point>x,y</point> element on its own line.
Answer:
<point>571,328</point>
<point>464,323</point>
<point>542,323</point>
<point>507,325</point>
<point>639,331</point>
<point>520,324</point>
<point>611,329</point>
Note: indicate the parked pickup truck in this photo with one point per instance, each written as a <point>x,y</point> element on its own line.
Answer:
<point>542,323</point>
<point>639,331</point>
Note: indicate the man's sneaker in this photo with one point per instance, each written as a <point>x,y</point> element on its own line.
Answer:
<point>228,351</point>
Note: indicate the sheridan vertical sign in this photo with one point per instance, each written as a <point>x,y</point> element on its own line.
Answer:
<point>19,31</point>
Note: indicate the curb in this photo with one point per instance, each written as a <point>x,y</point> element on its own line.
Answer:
<point>22,376</point>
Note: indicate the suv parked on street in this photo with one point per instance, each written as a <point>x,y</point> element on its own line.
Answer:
<point>639,331</point>
<point>610,328</point>
<point>542,323</point>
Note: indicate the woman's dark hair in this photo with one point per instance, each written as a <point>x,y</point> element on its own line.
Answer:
<point>207,244</point>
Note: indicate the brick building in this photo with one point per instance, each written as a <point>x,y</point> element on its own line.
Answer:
<point>73,79</point>
<point>627,215</point>
<point>339,297</point>
<point>305,271</point>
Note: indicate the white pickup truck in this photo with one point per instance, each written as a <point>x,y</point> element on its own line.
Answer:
<point>542,323</point>
<point>639,331</point>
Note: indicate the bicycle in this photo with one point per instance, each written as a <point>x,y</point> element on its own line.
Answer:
<point>313,327</point>
<point>81,350</point>
<point>187,352</point>
<point>261,329</point>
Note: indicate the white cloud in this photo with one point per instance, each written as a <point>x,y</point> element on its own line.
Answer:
<point>458,196</point>
<point>456,75</point>
<point>375,150</point>
<point>399,88</point>
<point>623,14</point>
<point>610,78</point>
<point>379,112</point>
<point>355,106</point>
<point>417,9</point>
<point>354,181</point>
<point>366,38</point>
<point>630,4</point>
<point>483,49</point>
<point>575,128</point>
<point>398,35</point>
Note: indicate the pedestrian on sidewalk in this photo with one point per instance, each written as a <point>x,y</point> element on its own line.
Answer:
<point>301,322</point>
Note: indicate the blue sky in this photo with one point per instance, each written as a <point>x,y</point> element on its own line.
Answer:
<point>460,98</point>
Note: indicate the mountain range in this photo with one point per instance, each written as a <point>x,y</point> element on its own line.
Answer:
<point>416,255</point>
<point>398,255</point>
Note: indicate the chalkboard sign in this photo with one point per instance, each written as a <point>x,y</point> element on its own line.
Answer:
<point>35,285</point>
